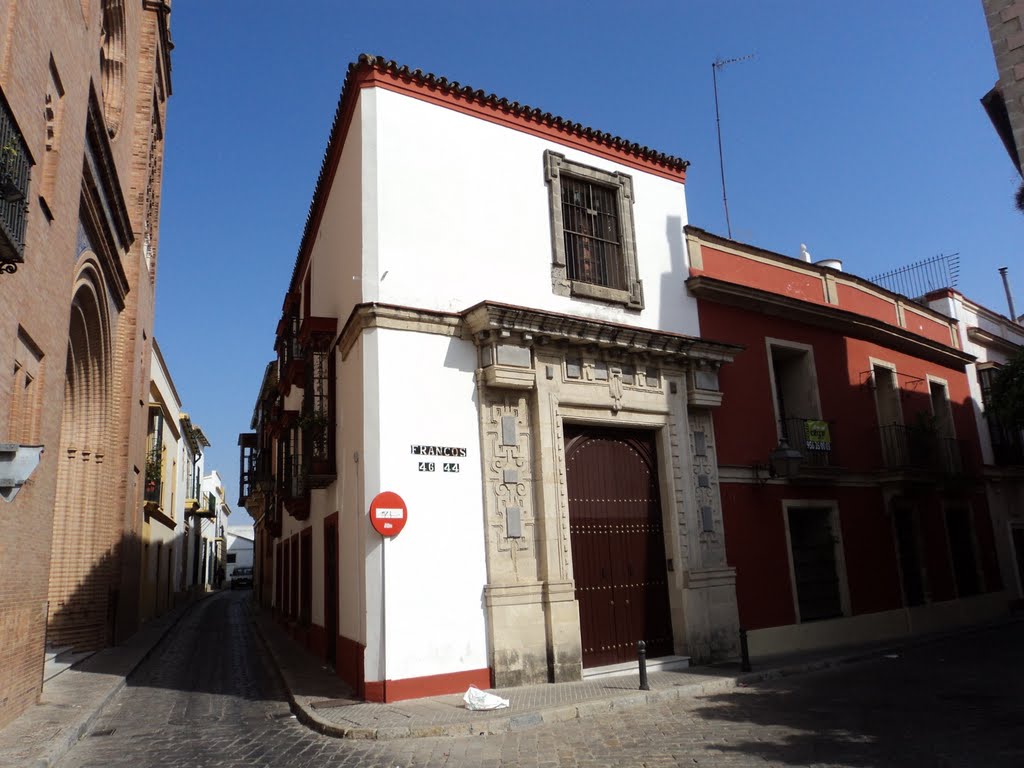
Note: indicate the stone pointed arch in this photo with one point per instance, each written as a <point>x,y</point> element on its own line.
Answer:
<point>112,64</point>
<point>84,529</point>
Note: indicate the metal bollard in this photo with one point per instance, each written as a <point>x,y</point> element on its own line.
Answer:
<point>744,651</point>
<point>641,655</point>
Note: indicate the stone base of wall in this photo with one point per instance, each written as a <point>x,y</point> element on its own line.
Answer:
<point>534,633</point>
<point>711,615</point>
<point>876,627</point>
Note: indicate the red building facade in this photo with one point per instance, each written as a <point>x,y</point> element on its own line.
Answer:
<point>850,471</point>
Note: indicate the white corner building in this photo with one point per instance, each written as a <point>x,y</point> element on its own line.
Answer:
<point>487,317</point>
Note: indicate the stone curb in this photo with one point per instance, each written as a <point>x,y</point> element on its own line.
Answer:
<point>557,714</point>
<point>72,733</point>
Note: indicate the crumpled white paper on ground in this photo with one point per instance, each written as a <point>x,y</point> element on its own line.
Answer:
<point>477,699</point>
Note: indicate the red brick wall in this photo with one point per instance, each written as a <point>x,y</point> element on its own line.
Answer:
<point>37,39</point>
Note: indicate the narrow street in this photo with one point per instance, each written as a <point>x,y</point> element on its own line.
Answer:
<point>208,697</point>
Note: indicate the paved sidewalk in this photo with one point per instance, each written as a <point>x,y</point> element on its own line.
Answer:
<point>323,702</point>
<point>72,701</point>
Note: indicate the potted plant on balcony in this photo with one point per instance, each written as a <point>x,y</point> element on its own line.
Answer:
<point>152,476</point>
<point>314,426</point>
<point>10,156</point>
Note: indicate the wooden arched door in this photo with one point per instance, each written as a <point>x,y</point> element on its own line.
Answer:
<point>618,544</point>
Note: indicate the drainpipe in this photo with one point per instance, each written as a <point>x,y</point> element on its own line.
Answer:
<point>1009,294</point>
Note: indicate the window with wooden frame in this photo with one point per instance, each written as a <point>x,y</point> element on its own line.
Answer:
<point>815,556</point>
<point>963,550</point>
<point>909,549</point>
<point>592,234</point>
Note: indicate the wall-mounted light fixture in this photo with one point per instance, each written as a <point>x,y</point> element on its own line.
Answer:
<point>783,461</point>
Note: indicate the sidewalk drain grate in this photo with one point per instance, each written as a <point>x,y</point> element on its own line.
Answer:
<point>103,732</point>
<point>333,703</point>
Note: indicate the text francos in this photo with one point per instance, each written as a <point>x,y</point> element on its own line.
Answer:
<point>438,450</point>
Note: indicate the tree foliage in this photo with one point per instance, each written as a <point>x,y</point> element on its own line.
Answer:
<point>1008,392</point>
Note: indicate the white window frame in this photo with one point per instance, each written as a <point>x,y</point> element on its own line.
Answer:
<point>806,349</point>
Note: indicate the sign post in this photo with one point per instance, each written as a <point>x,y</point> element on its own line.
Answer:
<point>388,515</point>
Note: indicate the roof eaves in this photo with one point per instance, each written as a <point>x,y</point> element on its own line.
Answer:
<point>367,62</point>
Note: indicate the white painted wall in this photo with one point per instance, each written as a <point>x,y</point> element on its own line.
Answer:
<point>174,486</point>
<point>349,494</point>
<point>462,215</point>
<point>239,539</point>
<point>406,222</point>
<point>337,248</point>
<point>971,315</point>
<point>435,568</point>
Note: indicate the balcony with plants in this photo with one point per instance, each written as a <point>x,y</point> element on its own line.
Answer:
<point>1002,395</point>
<point>154,478</point>
<point>291,486</point>
<point>317,420</point>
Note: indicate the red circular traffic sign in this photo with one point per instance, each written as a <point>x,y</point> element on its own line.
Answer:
<point>388,513</point>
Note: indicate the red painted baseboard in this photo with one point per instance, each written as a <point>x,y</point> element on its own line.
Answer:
<point>349,663</point>
<point>429,685</point>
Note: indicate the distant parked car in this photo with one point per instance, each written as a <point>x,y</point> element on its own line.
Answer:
<point>241,578</point>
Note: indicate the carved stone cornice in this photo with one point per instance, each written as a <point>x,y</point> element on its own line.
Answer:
<point>543,327</point>
<point>364,316</point>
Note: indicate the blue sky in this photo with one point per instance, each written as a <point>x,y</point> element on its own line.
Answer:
<point>856,129</point>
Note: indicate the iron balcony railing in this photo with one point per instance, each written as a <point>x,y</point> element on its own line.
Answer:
<point>291,348</point>
<point>296,477</point>
<point>906,447</point>
<point>247,456</point>
<point>14,181</point>
<point>813,438</point>
<point>154,474</point>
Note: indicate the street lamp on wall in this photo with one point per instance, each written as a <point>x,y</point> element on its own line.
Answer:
<point>783,461</point>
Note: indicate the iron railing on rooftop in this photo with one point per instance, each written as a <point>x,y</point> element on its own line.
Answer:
<point>922,277</point>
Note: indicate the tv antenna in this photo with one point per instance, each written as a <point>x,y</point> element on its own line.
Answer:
<point>716,65</point>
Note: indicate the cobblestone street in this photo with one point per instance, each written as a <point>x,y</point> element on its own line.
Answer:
<point>208,697</point>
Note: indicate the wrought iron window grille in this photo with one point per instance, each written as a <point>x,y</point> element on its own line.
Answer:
<point>15,167</point>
